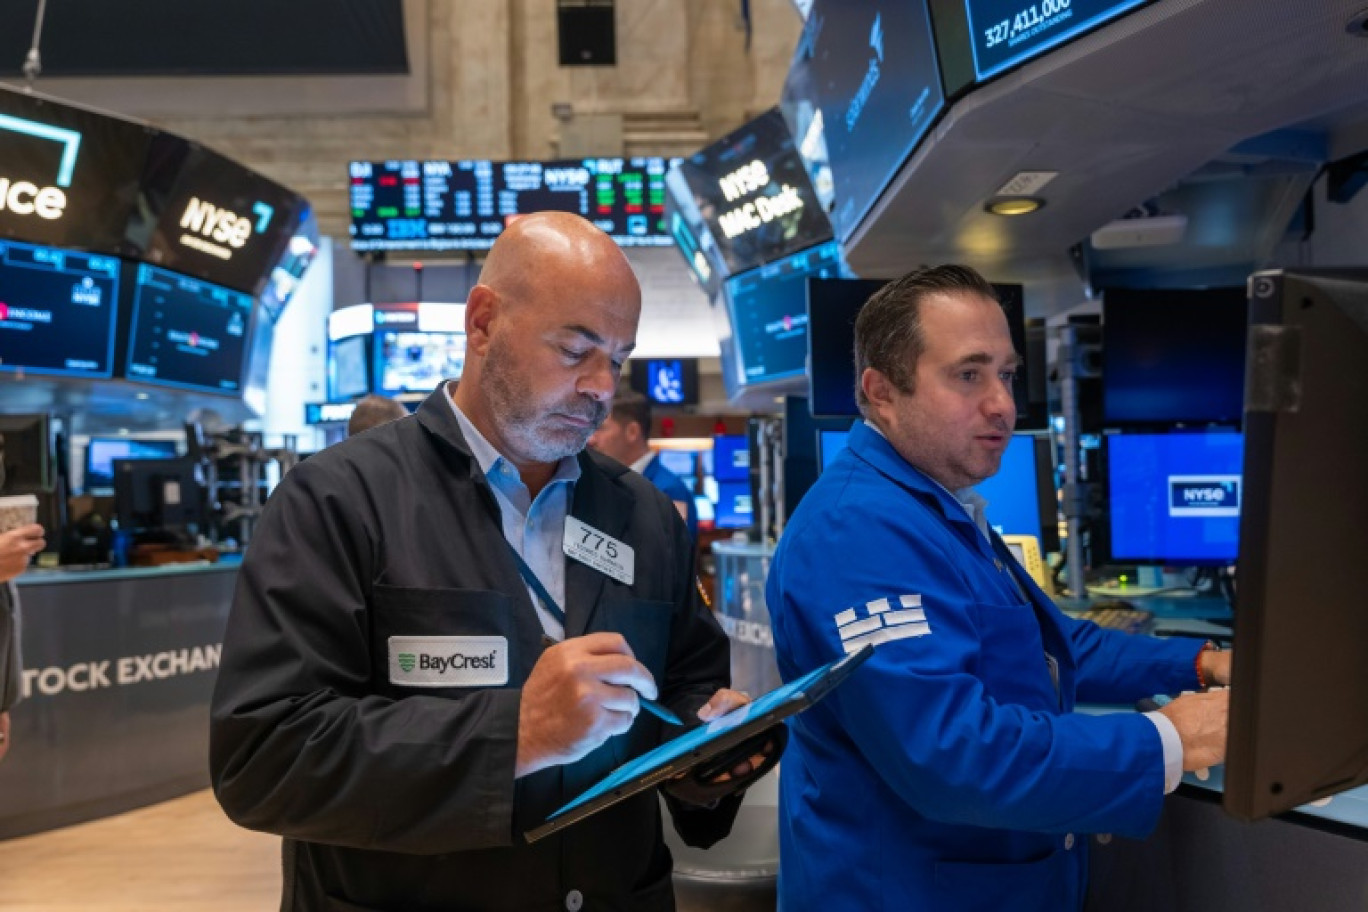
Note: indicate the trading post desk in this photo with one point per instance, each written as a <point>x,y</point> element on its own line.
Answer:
<point>1199,859</point>
<point>119,666</point>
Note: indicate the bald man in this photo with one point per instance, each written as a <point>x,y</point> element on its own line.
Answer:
<point>421,666</point>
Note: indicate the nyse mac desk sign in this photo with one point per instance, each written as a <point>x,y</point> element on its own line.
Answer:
<point>68,177</point>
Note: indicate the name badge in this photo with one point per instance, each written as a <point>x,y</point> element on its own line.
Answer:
<point>604,553</point>
<point>448,661</point>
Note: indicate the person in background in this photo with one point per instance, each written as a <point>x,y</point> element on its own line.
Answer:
<point>421,665</point>
<point>626,436</point>
<point>951,771</point>
<point>372,411</point>
<point>17,548</point>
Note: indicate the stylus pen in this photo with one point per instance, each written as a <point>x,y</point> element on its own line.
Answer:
<point>660,711</point>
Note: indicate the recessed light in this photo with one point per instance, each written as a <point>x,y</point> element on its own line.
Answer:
<point>1013,205</point>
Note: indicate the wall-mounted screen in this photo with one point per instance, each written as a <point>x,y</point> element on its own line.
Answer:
<point>666,381</point>
<point>863,90</point>
<point>57,311</point>
<point>187,333</point>
<point>1005,33</point>
<point>754,195</point>
<point>68,176</point>
<point>1174,498</point>
<point>409,361</point>
<point>691,235</point>
<point>1173,356</point>
<point>768,310</point>
<point>466,205</point>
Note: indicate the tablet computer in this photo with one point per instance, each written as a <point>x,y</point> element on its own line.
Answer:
<point>703,743</point>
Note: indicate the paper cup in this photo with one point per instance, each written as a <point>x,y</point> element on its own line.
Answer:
<point>18,510</point>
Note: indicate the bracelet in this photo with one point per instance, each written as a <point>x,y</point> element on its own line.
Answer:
<point>1208,646</point>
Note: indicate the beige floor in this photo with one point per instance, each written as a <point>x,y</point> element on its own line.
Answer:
<point>183,855</point>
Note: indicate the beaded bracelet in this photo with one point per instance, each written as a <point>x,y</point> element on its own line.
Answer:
<point>1208,646</point>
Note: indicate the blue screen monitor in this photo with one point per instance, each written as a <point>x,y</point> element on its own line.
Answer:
<point>57,311</point>
<point>102,451</point>
<point>829,446</point>
<point>863,89</point>
<point>1021,496</point>
<point>666,381</point>
<point>187,333</point>
<point>409,361</point>
<point>768,310</point>
<point>733,505</point>
<point>1007,33</point>
<point>1174,498</point>
<point>730,458</point>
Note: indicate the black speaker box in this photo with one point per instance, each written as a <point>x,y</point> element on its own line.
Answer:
<point>587,34</point>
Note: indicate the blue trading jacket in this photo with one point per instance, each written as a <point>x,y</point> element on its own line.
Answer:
<point>675,489</point>
<point>949,772</point>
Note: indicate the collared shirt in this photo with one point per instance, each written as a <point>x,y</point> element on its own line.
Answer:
<point>533,528</point>
<point>640,465</point>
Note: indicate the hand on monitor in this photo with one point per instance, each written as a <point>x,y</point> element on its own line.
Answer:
<point>1201,720</point>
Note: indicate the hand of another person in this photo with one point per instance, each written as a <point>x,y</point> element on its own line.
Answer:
<point>1216,667</point>
<point>719,704</point>
<point>1201,720</point>
<point>580,693</point>
<point>4,734</point>
<point>17,547</point>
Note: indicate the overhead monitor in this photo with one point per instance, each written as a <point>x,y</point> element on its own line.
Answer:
<point>691,235</point>
<point>1297,696</point>
<point>768,312</point>
<point>68,176</point>
<point>1172,356</point>
<point>413,361</point>
<point>466,205</point>
<point>863,90</point>
<point>1023,497</point>
<point>57,311</point>
<point>754,195</point>
<point>1174,498</point>
<point>187,333</point>
<point>102,451</point>
<point>666,381</point>
<point>832,306</point>
<point>1007,33</point>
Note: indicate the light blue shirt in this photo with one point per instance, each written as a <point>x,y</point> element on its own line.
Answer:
<point>534,528</point>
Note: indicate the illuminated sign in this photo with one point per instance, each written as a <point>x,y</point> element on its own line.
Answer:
<point>1204,495</point>
<point>222,225</point>
<point>760,211</point>
<point>25,197</point>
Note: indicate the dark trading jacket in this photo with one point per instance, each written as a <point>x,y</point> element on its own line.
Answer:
<point>399,798</point>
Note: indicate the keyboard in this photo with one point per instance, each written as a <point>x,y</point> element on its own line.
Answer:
<point>1131,620</point>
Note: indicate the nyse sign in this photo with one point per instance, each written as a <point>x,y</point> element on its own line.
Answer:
<point>211,227</point>
<point>751,214</point>
<point>24,197</point>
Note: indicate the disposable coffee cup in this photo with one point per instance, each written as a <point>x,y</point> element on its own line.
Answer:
<point>18,510</point>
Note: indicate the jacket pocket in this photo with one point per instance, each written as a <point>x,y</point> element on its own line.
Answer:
<point>1032,886</point>
<point>443,642</point>
<point>1013,666</point>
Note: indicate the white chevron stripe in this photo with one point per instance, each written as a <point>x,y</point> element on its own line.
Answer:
<point>885,635</point>
<point>860,627</point>
<point>906,616</point>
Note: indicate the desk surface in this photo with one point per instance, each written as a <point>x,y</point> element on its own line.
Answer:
<point>39,576</point>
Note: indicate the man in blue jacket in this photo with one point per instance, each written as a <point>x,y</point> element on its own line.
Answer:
<point>951,772</point>
<point>625,435</point>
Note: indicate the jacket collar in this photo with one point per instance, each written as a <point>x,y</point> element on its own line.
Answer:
<point>874,448</point>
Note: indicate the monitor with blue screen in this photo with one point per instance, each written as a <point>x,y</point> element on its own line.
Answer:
<point>734,509</point>
<point>1021,496</point>
<point>187,333</point>
<point>1174,498</point>
<point>57,311</point>
<point>730,458</point>
<point>829,446</point>
<point>102,451</point>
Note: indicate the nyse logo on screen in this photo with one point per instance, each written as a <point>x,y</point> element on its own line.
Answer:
<point>1204,495</point>
<point>24,197</point>
<point>210,227</point>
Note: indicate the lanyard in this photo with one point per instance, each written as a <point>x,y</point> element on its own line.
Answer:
<point>531,579</point>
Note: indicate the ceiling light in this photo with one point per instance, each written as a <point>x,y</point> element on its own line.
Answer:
<point>1013,205</point>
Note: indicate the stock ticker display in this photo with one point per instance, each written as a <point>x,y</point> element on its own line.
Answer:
<point>466,205</point>
<point>1005,33</point>
<point>57,310</point>
<point>187,333</point>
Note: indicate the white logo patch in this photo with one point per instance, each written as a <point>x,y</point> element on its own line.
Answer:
<point>883,620</point>
<point>448,661</point>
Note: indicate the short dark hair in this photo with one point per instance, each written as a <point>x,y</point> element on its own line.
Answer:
<point>630,407</point>
<point>373,411</point>
<point>888,331</point>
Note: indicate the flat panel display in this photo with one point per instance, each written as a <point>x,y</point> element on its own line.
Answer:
<point>68,177</point>
<point>829,446</point>
<point>754,195</point>
<point>57,311</point>
<point>768,308</point>
<point>734,509</point>
<point>863,90</point>
<point>1021,496</point>
<point>691,236</point>
<point>1005,33</point>
<point>666,381</point>
<point>348,368</point>
<point>466,205</point>
<point>102,451</point>
<point>187,333</point>
<point>730,458</point>
<point>409,361</point>
<point>832,306</point>
<point>212,218</point>
<point>1173,356</point>
<point>1175,498</point>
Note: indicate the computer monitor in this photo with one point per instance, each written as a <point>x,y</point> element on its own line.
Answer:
<point>415,362</point>
<point>829,446</point>
<point>730,458</point>
<point>348,368</point>
<point>57,311</point>
<point>733,505</point>
<point>1174,498</point>
<point>1172,356</point>
<point>1298,698</point>
<point>1022,497</point>
<point>25,454</point>
<point>832,306</point>
<point>102,451</point>
<point>666,381</point>
<point>155,495</point>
